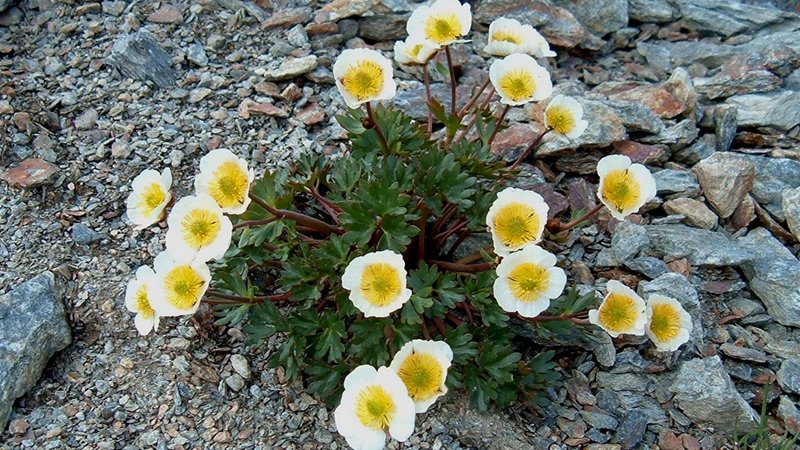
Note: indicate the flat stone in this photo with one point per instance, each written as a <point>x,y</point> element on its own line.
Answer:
<point>341,9</point>
<point>289,16</point>
<point>249,107</point>
<point>725,126</point>
<point>31,172</point>
<point>558,25</point>
<point>512,141</point>
<point>601,17</point>
<point>790,204</point>
<point>670,99</point>
<point>696,213</point>
<point>635,116</point>
<point>674,181</point>
<point>727,18</point>
<point>196,54</point>
<point>743,353</point>
<point>599,420</point>
<point>773,176</point>
<point>774,275</point>
<point>383,27</point>
<point>33,326</point>
<point>725,179</point>
<point>166,14</point>
<point>82,234</point>
<point>139,56</point>
<point>705,393</point>
<point>700,149</point>
<point>292,68</point>
<point>652,11</point>
<point>630,431</point>
<point>628,240</point>
<point>699,247</point>
<point>641,153</point>
<point>789,376</point>
<point>197,95</point>
<point>789,413</point>
<point>115,8</point>
<point>779,109</point>
<point>676,286</point>
<point>86,120</point>
<point>241,366</point>
<point>648,266</point>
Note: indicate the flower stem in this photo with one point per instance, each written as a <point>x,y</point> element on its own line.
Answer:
<point>377,127</point>
<point>576,318</point>
<point>464,268</point>
<point>528,150</point>
<point>452,79</point>
<point>474,98</point>
<point>254,223</point>
<point>569,225</point>
<point>499,123</point>
<point>300,218</point>
<point>239,299</point>
<point>426,77</point>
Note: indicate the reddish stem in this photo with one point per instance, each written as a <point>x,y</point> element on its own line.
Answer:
<point>499,123</point>
<point>569,225</point>
<point>528,150</point>
<point>452,79</point>
<point>463,268</point>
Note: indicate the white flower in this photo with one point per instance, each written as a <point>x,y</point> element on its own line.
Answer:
<point>177,288</point>
<point>136,300</point>
<point>519,79</point>
<point>442,23</point>
<point>377,283</point>
<point>149,196</point>
<point>414,50</point>
<point>507,36</point>
<point>363,75</point>
<point>527,280</point>
<point>422,365</point>
<point>516,218</point>
<point>565,116</point>
<point>621,312</point>
<point>668,324</point>
<point>198,230</point>
<point>624,187</point>
<point>225,178</point>
<point>374,402</point>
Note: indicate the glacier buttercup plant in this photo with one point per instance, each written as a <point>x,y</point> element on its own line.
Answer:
<point>624,187</point>
<point>443,23</point>
<point>519,79</point>
<point>668,325</point>
<point>527,280</point>
<point>226,178</point>
<point>564,115</point>
<point>422,365</point>
<point>177,288</point>
<point>516,218</point>
<point>508,36</point>
<point>137,301</point>
<point>377,283</point>
<point>622,311</point>
<point>149,197</point>
<point>198,230</point>
<point>363,76</point>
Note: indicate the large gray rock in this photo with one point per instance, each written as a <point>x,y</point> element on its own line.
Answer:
<point>726,179</point>
<point>706,394</point>
<point>33,326</point>
<point>791,209</point>
<point>652,11</point>
<point>699,247</point>
<point>600,16</point>
<point>779,109</point>
<point>557,24</point>
<point>140,56</point>
<point>678,287</point>
<point>789,376</point>
<point>773,176</point>
<point>727,18</point>
<point>774,275</point>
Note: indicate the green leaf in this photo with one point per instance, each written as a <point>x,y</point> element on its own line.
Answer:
<point>265,321</point>
<point>369,344</point>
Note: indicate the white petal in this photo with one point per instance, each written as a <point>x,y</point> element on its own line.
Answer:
<point>144,326</point>
<point>558,280</point>
<point>611,163</point>
<point>360,376</point>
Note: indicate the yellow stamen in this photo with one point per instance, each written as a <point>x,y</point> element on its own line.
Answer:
<point>414,50</point>
<point>507,36</point>
<point>183,287</point>
<point>375,407</point>
<point>517,84</point>
<point>422,375</point>
<point>665,323</point>
<point>228,186</point>
<point>363,80</point>
<point>560,118</point>
<point>621,189</point>
<point>618,313</point>
<point>528,281</point>
<point>152,196</point>
<point>516,224</point>
<point>380,284</point>
<point>200,227</point>
<point>142,304</point>
<point>443,29</point>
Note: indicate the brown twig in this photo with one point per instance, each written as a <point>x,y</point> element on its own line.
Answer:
<point>569,225</point>
<point>239,299</point>
<point>474,98</point>
<point>574,318</point>
<point>499,123</point>
<point>528,150</point>
<point>298,217</point>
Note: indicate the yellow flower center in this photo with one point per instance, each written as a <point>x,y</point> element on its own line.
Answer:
<point>142,304</point>
<point>517,84</point>
<point>228,186</point>
<point>507,36</point>
<point>618,313</point>
<point>516,224</point>
<point>363,80</point>
<point>375,407</point>
<point>183,287</point>
<point>443,29</point>
<point>560,118</point>
<point>422,375</point>
<point>413,51</point>
<point>380,284</point>
<point>200,227</point>
<point>152,196</point>
<point>665,323</point>
<point>528,281</point>
<point>621,189</point>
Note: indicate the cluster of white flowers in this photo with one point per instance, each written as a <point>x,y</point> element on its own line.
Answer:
<point>377,401</point>
<point>199,231</point>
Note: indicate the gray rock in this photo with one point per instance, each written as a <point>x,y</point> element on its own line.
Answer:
<point>774,275</point>
<point>789,413</point>
<point>635,116</point>
<point>82,234</point>
<point>705,393</point>
<point>696,213</point>
<point>605,128</point>
<point>115,8</point>
<point>652,11</point>
<point>789,376</point>
<point>383,27</point>
<point>672,181</point>
<point>297,36</point>
<point>678,287</point>
<point>727,18</point>
<point>648,266</point>
<point>706,53</point>
<point>726,179</point>
<point>557,24</point>
<point>725,126</point>
<point>628,240</point>
<point>235,382</point>
<point>140,56</point>
<point>790,203</point>
<point>658,57</point>
<point>743,353</point>
<point>33,326</point>
<point>631,430</point>
<point>773,176</point>
<point>699,150</point>
<point>4,4</point>
<point>411,99</point>
<point>601,17</point>
<point>676,136</point>
<point>779,109</point>
<point>197,55</point>
<point>594,339</point>
<point>12,16</point>
<point>240,365</point>
<point>87,120</point>
<point>699,247</point>
<point>599,420</point>
<point>291,68</point>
